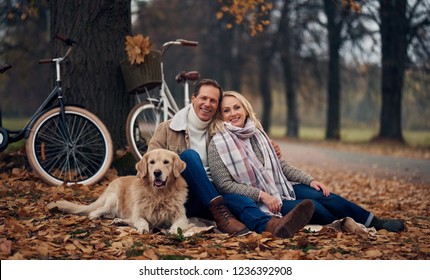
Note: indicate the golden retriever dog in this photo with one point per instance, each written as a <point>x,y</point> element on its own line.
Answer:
<point>153,198</point>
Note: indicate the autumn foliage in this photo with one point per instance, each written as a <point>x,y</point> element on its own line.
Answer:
<point>29,231</point>
<point>137,47</point>
<point>254,14</point>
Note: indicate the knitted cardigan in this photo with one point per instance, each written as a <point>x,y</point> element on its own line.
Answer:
<point>226,184</point>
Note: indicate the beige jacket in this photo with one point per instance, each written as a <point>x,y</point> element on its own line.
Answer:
<point>173,134</point>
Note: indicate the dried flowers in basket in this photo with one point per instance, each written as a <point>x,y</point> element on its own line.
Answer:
<point>137,47</point>
<point>143,67</point>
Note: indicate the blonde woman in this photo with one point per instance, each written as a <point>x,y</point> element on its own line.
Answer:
<point>243,162</point>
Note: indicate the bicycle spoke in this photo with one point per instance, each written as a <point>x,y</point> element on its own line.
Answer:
<point>74,159</point>
<point>141,125</point>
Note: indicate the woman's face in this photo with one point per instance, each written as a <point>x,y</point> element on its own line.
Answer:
<point>232,111</point>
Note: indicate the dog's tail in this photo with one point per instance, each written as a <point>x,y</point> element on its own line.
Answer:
<point>74,208</point>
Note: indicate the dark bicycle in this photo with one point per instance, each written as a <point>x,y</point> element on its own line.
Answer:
<point>65,144</point>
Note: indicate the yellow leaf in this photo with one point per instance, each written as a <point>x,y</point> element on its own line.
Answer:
<point>150,254</point>
<point>373,253</point>
<point>43,250</point>
<point>117,245</point>
<point>70,247</point>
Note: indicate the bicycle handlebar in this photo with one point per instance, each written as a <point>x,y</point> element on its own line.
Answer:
<point>181,42</point>
<point>69,42</point>
<point>46,61</point>
<point>4,68</point>
<point>187,43</point>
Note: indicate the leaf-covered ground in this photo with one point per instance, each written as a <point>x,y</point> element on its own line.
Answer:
<point>28,231</point>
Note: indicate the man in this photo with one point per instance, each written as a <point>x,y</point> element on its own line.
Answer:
<point>187,135</point>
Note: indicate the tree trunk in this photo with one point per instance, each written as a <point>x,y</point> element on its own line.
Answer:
<point>333,91</point>
<point>236,60</point>
<point>92,77</point>
<point>394,32</point>
<point>287,54</point>
<point>212,66</point>
<point>264,66</point>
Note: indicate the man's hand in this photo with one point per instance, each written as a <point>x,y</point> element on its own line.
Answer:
<point>277,149</point>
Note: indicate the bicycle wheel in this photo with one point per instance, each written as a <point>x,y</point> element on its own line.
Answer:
<point>142,121</point>
<point>82,160</point>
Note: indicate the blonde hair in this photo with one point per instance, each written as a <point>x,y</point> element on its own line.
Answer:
<point>217,124</point>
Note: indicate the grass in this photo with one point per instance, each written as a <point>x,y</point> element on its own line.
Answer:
<point>356,135</point>
<point>350,135</point>
<point>14,124</point>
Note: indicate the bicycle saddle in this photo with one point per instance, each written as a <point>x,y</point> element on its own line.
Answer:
<point>4,68</point>
<point>190,76</point>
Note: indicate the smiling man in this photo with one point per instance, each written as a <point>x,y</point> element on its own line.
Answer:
<point>187,135</point>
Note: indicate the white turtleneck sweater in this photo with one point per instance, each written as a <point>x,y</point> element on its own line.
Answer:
<point>198,136</point>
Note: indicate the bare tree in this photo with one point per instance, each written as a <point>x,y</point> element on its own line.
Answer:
<point>287,52</point>
<point>398,30</point>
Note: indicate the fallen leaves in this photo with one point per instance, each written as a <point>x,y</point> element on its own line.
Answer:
<point>29,231</point>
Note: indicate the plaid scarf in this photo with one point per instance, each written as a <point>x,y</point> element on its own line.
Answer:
<point>244,166</point>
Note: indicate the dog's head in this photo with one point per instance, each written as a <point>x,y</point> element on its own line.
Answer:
<point>159,166</point>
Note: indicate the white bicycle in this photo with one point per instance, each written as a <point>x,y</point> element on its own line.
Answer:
<point>150,111</point>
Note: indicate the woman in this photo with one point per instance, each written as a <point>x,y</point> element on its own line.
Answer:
<point>243,161</point>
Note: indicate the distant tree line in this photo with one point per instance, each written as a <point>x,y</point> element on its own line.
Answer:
<point>312,55</point>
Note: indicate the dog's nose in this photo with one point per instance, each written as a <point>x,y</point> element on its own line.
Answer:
<point>157,173</point>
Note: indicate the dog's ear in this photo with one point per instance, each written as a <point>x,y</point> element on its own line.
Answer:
<point>142,166</point>
<point>178,166</point>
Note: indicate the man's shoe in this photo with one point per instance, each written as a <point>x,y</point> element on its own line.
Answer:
<point>291,223</point>
<point>225,220</point>
<point>392,225</point>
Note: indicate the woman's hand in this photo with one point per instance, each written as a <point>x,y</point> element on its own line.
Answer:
<point>320,187</point>
<point>271,202</point>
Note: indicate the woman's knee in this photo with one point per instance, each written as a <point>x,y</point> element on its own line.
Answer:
<point>307,192</point>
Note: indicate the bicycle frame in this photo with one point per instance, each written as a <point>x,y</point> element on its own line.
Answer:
<point>48,103</point>
<point>166,99</point>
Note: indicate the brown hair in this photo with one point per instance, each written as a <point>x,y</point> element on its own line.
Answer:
<point>208,82</point>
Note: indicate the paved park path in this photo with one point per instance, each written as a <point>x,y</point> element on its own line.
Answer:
<point>382,166</point>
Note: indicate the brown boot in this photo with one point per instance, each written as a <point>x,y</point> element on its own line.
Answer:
<point>225,221</point>
<point>291,223</point>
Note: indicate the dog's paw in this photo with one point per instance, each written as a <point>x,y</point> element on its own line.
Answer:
<point>52,207</point>
<point>142,230</point>
<point>119,222</point>
<point>183,226</point>
<point>93,216</point>
<point>142,226</point>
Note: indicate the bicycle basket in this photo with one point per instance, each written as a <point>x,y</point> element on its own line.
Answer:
<point>144,75</point>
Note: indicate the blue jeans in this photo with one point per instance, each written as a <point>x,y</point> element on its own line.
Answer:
<point>245,209</point>
<point>327,209</point>
<point>201,191</point>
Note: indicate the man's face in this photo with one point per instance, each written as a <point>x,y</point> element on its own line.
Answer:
<point>205,104</point>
